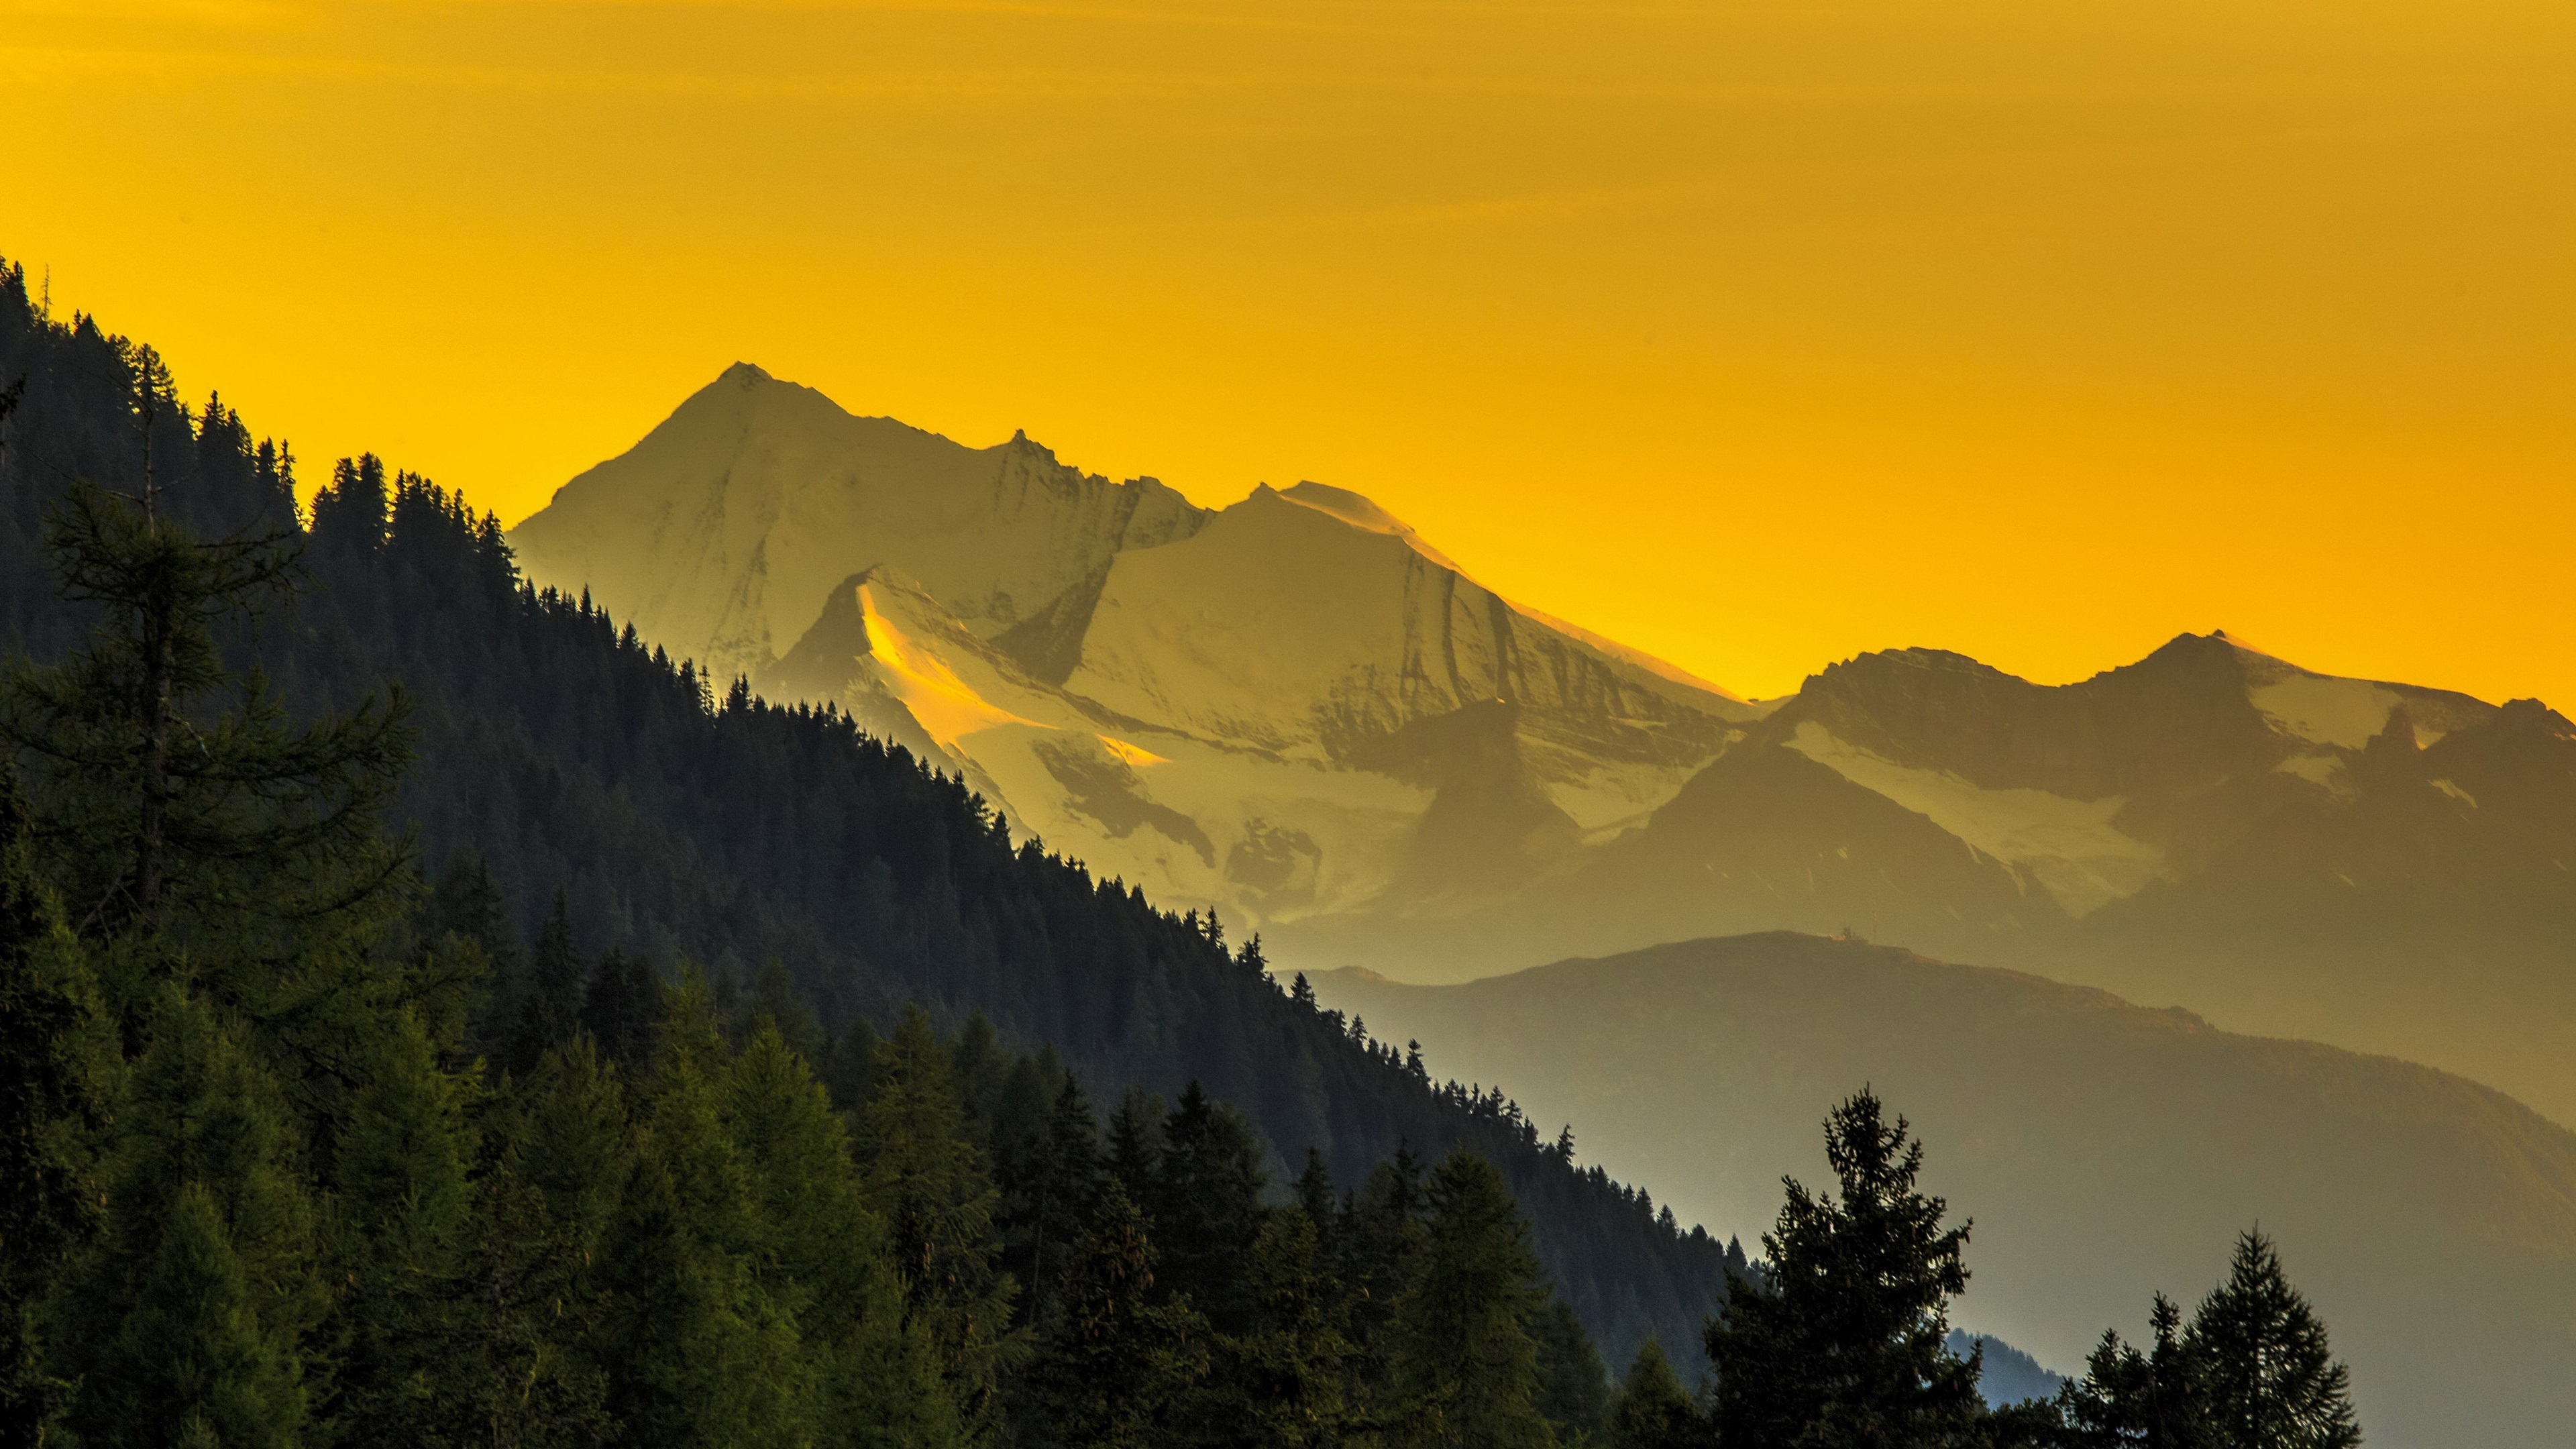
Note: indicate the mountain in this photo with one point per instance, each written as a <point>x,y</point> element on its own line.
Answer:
<point>2377,865</point>
<point>754,839</point>
<point>1298,711</point>
<point>2104,1150</point>
<point>1286,707</point>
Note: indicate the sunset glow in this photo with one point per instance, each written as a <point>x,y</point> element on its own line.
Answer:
<point>1754,335</point>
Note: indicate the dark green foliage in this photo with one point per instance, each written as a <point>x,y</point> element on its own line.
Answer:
<point>2151,1400</point>
<point>1282,1375</point>
<point>1120,1362</point>
<point>1207,1207</point>
<point>297,1151</point>
<point>2266,1375</point>
<point>161,808</point>
<point>1574,1388</point>
<point>401,1235</point>
<point>1465,1369</point>
<point>1651,1411</point>
<point>1844,1345</point>
<point>53,1054</point>
<point>930,1183</point>
<point>191,1312</point>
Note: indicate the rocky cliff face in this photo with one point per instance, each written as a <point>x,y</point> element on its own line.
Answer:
<point>1290,706</point>
<point>721,533</point>
<point>1298,711</point>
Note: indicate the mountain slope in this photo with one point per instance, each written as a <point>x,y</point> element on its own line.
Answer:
<point>1289,706</point>
<point>2105,1151</point>
<point>2381,866</point>
<point>583,769</point>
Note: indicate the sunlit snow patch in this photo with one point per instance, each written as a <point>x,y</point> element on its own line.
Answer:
<point>947,707</point>
<point>2070,846</point>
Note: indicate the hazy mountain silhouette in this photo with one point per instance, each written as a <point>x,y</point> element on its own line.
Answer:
<point>2105,1150</point>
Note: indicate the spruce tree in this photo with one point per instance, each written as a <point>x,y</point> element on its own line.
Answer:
<point>925,1177</point>
<point>56,1062</point>
<point>548,1012</point>
<point>402,1229</point>
<point>2150,1400</point>
<point>162,805</point>
<point>1120,1362</point>
<point>1651,1411</point>
<point>1280,1381</point>
<point>2268,1377</point>
<point>1845,1344</point>
<point>1207,1209</point>
<point>873,1375</point>
<point>704,1348</point>
<point>1574,1388</point>
<point>207,1240</point>
<point>1465,1370</point>
<point>551,1198</point>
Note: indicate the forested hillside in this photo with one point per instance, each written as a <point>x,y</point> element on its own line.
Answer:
<point>675,818</point>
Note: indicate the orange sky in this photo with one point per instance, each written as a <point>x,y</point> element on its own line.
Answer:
<point>1754,334</point>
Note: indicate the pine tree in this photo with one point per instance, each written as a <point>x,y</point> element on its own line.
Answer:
<point>2269,1378</point>
<point>1382,1237</point>
<point>402,1221</point>
<point>620,1008</point>
<point>1207,1209</point>
<point>2150,1400</point>
<point>162,809</point>
<point>1651,1411</point>
<point>1120,1363</point>
<point>1466,1372</point>
<point>56,1060</point>
<point>703,1350</point>
<point>549,1010</point>
<point>552,1197</point>
<point>1280,1381</point>
<point>1574,1388</point>
<point>1063,1181</point>
<point>874,1377</point>
<point>1846,1344</point>
<point>924,1176</point>
<point>190,1314</point>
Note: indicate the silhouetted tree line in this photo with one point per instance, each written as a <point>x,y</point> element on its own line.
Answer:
<point>673,816</point>
<point>297,1149</point>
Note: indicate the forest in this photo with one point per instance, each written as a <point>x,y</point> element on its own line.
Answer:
<point>733,1079</point>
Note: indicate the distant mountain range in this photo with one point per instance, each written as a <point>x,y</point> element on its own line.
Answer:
<point>2104,1150</point>
<point>1298,711</point>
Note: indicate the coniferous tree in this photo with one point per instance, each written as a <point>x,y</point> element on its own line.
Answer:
<point>1121,1361</point>
<point>188,1318</point>
<point>925,1177</point>
<point>402,1224</point>
<point>1207,1209</point>
<point>1382,1236</point>
<point>1061,1183</point>
<point>1651,1411</point>
<point>548,1011</point>
<point>1574,1389</point>
<point>163,809</point>
<point>1281,1382</point>
<point>621,1007</point>
<point>55,1061</point>
<point>2150,1400</point>
<point>1845,1343</point>
<point>552,1196</point>
<point>1465,1370</point>
<point>704,1352</point>
<point>874,1377</point>
<point>2267,1376</point>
